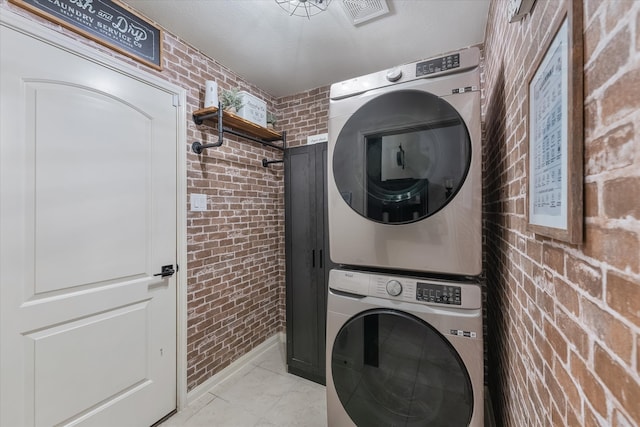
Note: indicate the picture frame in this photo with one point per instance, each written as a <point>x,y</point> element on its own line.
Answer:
<point>555,128</point>
<point>107,22</point>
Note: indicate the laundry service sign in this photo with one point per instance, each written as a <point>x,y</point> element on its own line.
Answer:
<point>107,22</point>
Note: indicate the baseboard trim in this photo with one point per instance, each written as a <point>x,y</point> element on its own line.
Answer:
<point>234,367</point>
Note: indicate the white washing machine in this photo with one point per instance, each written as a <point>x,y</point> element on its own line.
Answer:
<point>403,351</point>
<point>404,157</point>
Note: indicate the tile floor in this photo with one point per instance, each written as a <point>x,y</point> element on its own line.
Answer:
<point>261,393</point>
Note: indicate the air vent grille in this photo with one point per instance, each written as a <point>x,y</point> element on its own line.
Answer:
<point>360,11</point>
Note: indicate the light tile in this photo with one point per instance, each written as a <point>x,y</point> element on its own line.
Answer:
<point>183,416</point>
<point>220,413</point>
<point>259,394</point>
<point>273,359</point>
<point>304,405</point>
<point>256,392</point>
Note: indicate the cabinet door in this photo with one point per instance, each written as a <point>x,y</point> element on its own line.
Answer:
<point>301,260</point>
<point>322,239</point>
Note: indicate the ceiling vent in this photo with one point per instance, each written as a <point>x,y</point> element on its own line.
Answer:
<point>360,11</point>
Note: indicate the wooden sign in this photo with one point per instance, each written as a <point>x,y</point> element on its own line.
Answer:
<point>107,22</point>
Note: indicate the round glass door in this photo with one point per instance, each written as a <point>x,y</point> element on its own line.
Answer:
<point>401,157</point>
<point>391,368</point>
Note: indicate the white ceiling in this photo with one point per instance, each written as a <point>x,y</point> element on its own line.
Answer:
<point>284,54</point>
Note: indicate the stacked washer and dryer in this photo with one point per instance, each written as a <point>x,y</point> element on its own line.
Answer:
<point>404,310</point>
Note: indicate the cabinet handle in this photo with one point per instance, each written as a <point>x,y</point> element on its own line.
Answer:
<point>320,258</point>
<point>313,258</point>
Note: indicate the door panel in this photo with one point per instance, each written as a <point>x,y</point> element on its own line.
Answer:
<point>118,204</point>
<point>302,257</point>
<point>87,217</point>
<point>58,359</point>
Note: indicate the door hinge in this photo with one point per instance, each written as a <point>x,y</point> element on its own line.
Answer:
<point>176,100</point>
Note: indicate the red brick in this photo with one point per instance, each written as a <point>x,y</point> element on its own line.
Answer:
<point>544,301</point>
<point>557,341</point>
<point>592,389</point>
<point>612,151</point>
<point>569,389</point>
<point>623,295</point>
<point>584,276</point>
<point>574,332</point>
<point>572,418</point>
<point>592,37</point>
<point>616,12</point>
<point>557,414</point>
<point>622,97</point>
<point>566,296</point>
<point>554,258</point>
<point>612,57</point>
<point>556,392</point>
<point>618,380</point>
<point>534,250</point>
<point>617,247</point>
<point>621,197</point>
<point>613,332</point>
<point>591,419</point>
<point>591,8</point>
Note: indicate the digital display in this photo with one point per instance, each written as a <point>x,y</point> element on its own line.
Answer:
<point>441,294</point>
<point>437,65</point>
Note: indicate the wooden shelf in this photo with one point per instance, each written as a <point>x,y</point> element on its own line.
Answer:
<point>237,123</point>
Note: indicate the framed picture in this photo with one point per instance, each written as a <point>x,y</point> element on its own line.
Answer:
<point>108,22</point>
<point>555,104</point>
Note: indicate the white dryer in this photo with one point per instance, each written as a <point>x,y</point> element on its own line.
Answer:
<point>403,351</point>
<point>404,155</point>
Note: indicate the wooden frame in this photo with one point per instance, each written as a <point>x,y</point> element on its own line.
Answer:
<point>108,22</point>
<point>555,104</point>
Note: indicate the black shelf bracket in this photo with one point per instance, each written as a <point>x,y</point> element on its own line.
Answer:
<point>198,147</point>
<point>266,162</point>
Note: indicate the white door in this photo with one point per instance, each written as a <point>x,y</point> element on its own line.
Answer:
<point>87,217</point>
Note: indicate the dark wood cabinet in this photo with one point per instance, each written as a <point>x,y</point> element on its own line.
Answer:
<point>307,259</point>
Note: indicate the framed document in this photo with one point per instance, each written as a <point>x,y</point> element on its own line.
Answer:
<point>555,131</point>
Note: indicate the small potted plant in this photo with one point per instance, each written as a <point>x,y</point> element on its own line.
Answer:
<point>231,100</point>
<point>271,120</point>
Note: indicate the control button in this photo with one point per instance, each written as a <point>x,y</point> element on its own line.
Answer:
<point>394,288</point>
<point>394,74</point>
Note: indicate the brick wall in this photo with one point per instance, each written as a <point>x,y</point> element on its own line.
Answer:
<point>564,320</point>
<point>235,268</point>
<point>304,114</point>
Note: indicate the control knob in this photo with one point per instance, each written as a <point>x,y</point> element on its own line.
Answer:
<point>394,74</point>
<point>394,288</point>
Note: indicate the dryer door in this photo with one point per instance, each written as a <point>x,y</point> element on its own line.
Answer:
<point>401,157</point>
<point>391,368</point>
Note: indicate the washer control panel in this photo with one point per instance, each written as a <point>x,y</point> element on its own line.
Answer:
<point>394,288</point>
<point>440,294</point>
<point>402,289</point>
<point>437,65</point>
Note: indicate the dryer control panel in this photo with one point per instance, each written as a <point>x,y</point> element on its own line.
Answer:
<point>437,65</point>
<point>431,68</point>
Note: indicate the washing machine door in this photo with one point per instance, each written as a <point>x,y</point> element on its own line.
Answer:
<point>391,368</point>
<point>401,157</point>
